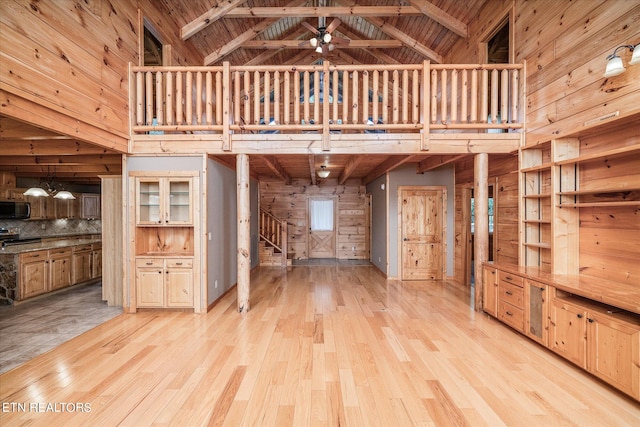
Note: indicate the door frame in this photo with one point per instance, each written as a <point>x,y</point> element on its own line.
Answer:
<point>442,188</point>
<point>335,222</point>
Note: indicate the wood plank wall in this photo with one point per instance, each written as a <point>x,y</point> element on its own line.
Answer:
<point>564,44</point>
<point>54,58</point>
<point>502,171</point>
<point>290,202</point>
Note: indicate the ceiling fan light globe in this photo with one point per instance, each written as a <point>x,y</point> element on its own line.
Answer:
<point>319,49</point>
<point>313,41</point>
<point>331,47</point>
<point>326,38</point>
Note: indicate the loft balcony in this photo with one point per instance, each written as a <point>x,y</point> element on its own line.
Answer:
<point>417,108</point>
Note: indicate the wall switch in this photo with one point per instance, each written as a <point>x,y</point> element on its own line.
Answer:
<point>215,283</point>
<point>379,259</point>
<point>209,236</point>
<point>43,226</point>
<point>353,248</point>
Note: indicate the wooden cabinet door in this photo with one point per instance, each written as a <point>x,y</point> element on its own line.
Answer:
<point>614,352</point>
<point>96,263</point>
<point>536,311</point>
<point>149,210</point>
<point>81,266</point>
<point>38,207</point>
<point>60,271</point>
<point>150,287</point>
<point>34,277</point>
<point>90,206</point>
<point>179,285</point>
<point>490,291</point>
<point>178,199</point>
<point>568,331</point>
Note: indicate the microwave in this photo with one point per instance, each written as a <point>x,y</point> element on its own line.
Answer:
<point>15,210</point>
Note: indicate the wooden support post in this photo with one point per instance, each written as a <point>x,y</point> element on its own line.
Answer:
<point>481,232</point>
<point>244,231</point>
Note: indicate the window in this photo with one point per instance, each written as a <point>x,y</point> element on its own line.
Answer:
<point>321,212</point>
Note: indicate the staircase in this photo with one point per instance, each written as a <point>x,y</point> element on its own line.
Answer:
<point>273,240</point>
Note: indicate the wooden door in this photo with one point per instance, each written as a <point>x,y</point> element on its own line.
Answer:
<point>322,228</point>
<point>422,247</point>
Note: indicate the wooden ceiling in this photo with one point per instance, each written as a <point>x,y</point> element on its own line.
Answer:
<point>256,32</point>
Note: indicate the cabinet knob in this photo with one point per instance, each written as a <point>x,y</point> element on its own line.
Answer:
<point>590,320</point>
<point>579,316</point>
<point>178,263</point>
<point>509,313</point>
<point>508,292</point>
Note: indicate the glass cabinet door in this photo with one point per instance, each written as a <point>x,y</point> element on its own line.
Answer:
<point>537,311</point>
<point>179,201</point>
<point>148,208</point>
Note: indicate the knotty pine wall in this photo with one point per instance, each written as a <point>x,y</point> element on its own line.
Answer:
<point>65,63</point>
<point>290,203</point>
<point>503,174</point>
<point>564,44</point>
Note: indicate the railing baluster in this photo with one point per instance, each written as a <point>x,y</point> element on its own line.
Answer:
<point>495,88</point>
<point>159,99</point>
<point>256,97</point>
<point>405,96</point>
<point>464,98</point>
<point>296,99</point>
<point>355,94</point>
<point>365,97</point>
<point>415,97</point>
<point>335,93</point>
<point>236,96</point>
<point>374,97</point>
<point>245,95</point>
<point>287,97</point>
<point>474,96</point>
<point>208,106</point>
<point>198,98</point>
<point>276,97</point>
<point>189,98</point>
<point>434,96</point>
<point>504,96</point>
<point>396,96</point>
<point>443,97</point>
<point>345,97</point>
<point>307,93</point>
<point>454,96</point>
<point>179,98</point>
<point>316,97</point>
<point>514,95</point>
<point>139,98</point>
<point>385,96</point>
<point>484,107</point>
<point>267,97</point>
<point>219,96</point>
<point>169,98</point>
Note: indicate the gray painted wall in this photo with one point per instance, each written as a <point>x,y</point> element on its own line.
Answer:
<point>378,222</point>
<point>406,175</point>
<point>222,223</point>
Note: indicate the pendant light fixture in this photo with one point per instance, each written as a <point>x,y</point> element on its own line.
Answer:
<point>323,172</point>
<point>615,66</point>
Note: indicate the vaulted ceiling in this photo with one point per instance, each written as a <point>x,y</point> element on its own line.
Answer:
<point>264,32</point>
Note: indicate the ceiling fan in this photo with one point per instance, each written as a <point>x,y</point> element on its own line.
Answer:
<point>323,40</point>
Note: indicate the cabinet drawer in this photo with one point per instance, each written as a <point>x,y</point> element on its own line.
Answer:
<point>60,252</point>
<point>82,248</point>
<point>34,256</point>
<point>511,294</point>
<point>511,315</point>
<point>150,262</point>
<point>504,277</point>
<point>179,263</point>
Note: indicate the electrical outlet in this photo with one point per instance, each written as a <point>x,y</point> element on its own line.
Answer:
<point>379,259</point>
<point>43,226</point>
<point>215,284</point>
<point>353,248</point>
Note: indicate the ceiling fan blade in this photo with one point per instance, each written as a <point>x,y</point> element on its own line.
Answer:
<point>309,27</point>
<point>339,41</point>
<point>334,24</point>
<point>325,49</point>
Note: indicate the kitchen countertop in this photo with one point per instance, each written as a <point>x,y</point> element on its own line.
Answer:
<point>50,244</point>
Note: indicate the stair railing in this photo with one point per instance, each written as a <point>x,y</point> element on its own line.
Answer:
<point>274,231</point>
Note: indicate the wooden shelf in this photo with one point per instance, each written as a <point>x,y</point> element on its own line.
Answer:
<point>597,204</point>
<point>540,245</point>
<point>599,191</point>
<point>537,196</point>
<point>609,153</point>
<point>536,221</point>
<point>545,166</point>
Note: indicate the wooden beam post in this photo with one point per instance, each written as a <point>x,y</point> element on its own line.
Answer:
<point>244,231</point>
<point>481,232</point>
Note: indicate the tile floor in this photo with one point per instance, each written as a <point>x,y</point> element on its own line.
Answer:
<point>35,327</point>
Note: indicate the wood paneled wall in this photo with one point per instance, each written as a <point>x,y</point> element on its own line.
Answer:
<point>65,63</point>
<point>290,203</point>
<point>502,173</point>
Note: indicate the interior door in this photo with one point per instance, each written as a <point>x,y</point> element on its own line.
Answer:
<point>422,213</point>
<point>322,229</point>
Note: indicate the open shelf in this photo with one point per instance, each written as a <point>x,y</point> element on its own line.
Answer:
<point>537,196</point>
<point>542,167</point>
<point>599,204</point>
<point>540,245</point>
<point>536,221</point>
<point>608,153</point>
<point>598,191</point>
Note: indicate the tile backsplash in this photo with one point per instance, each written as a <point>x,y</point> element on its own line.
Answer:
<point>54,227</point>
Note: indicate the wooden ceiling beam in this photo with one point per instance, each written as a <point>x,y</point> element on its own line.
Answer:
<point>401,36</point>
<point>209,17</point>
<point>349,168</point>
<point>263,57</point>
<point>310,11</point>
<point>275,166</point>
<point>95,159</point>
<point>441,17</point>
<point>54,148</point>
<point>45,170</point>
<point>391,163</point>
<point>298,44</point>
<point>312,168</point>
<point>435,162</point>
<point>244,38</point>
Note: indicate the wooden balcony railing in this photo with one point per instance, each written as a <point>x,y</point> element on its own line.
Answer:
<point>418,98</point>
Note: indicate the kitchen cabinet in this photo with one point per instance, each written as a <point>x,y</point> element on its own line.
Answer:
<point>82,263</point>
<point>34,273</point>
<point>96,260</point>
<point>42,207</point>
<point>164,201</point>
<point>66,208</point>
<point>511,300</point>
<point>89,206</point>
<point>568,331</point>
<point>164,282</point>
<point>490,290</point>
<point>59,268</point>
<point>536,309</point>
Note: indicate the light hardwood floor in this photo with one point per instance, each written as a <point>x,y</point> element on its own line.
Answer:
<point>322,345</point>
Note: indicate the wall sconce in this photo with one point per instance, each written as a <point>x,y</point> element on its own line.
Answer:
<point>614,62</point>
<point>323,172</point>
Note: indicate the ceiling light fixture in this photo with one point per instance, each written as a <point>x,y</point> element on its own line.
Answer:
<point>64,194</point>
<point>36,192</point>
<point>615,66</point>
<point>50,189</point>
<point>323,172</point>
